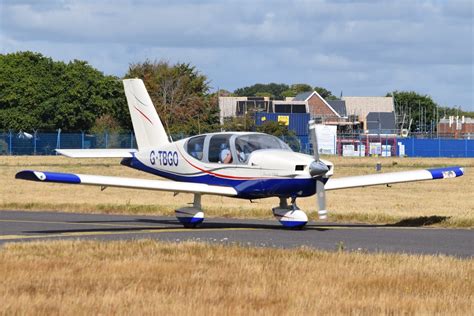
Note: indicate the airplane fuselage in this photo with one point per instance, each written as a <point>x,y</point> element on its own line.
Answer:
<point>260,165</point>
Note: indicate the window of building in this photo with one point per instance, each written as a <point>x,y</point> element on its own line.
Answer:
<point>282,108</point>
<point>298,108</point>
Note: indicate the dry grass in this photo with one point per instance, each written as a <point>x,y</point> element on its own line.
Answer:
<point>450,200</point>
<point>148,277</point>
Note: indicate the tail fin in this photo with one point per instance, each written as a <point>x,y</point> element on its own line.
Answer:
<point>149,130</point>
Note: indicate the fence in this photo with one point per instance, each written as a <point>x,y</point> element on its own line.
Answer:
<point>437,147</point>
<point>21,143</point>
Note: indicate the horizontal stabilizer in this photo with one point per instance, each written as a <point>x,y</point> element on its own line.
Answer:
<point>393,177</point>
<point>134,183</point>
<point>97,153</point>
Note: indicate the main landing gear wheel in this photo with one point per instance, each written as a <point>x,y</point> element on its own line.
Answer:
<point>290,216</point>
<point>193,216</point>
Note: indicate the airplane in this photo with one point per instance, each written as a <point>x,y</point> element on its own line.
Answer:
<point>243,165</point>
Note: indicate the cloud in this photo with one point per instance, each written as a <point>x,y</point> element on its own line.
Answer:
<point>360,47</point>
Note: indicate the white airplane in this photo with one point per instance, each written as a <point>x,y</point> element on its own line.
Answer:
<point>243,165</point>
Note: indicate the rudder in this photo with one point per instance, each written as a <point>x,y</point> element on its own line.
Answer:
<point>149,131</point>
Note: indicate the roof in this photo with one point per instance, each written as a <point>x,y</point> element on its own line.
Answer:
<point>361,106</point>
<point>303,96</point>
<point>339,106</point>
<point>381,122</point>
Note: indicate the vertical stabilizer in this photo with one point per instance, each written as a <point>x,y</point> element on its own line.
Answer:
<point>149,130</point>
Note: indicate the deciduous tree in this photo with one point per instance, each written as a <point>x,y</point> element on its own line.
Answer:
<point>180,94</point>
<point>37,93</point>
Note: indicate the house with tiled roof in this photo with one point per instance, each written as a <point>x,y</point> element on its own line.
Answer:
<point>318,107</point>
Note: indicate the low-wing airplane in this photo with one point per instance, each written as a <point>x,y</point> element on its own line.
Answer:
<point>243,165</point>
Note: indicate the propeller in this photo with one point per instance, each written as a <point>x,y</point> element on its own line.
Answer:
<point>317,169</point>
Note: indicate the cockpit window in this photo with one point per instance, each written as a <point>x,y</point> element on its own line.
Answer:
<point>246,144</point>
<point>195,147</point>
<point>219,149</point>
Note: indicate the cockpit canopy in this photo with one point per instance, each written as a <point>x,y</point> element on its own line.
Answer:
<point>231,148</point>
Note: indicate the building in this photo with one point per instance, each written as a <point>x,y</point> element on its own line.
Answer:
<point>381,123</point>
<point>240,106</point>
<point>456,127</point>
<point>350,115</point>
<point>360,107</point>
<point>318,107</point>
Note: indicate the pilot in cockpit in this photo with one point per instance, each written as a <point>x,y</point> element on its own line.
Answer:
<point>225,155</point>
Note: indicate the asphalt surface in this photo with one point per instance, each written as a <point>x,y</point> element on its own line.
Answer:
<point>19,226</point>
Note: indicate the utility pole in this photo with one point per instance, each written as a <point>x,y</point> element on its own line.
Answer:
<point>419,115</point>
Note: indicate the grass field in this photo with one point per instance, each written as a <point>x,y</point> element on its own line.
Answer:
<point>448,203</point>
<point>148,277</point>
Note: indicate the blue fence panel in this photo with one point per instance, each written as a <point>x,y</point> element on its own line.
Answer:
<point>426,148</point>
<point>4,148</point>
<point>70,141</point>
<point>297,122</point>
<point>469,145</point>
<point>438,147</point>
<point>452,148</point>
<point>20,143</point>
<point>46,143</point>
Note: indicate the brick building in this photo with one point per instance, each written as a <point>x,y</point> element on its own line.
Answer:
<point>456,127</point>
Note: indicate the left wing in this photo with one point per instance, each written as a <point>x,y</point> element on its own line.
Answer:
<point>97,153</point>
<point>135,183</point>
<point>393,177</point>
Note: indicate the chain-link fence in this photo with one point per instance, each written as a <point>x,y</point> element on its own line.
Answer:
<point>354,145</point>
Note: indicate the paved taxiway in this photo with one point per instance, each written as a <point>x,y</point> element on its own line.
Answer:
<point>18,226</point>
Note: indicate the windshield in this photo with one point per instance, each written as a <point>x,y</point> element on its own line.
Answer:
<point>247,144</point>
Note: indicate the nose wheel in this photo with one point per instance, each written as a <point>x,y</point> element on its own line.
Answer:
<point>290,216</point>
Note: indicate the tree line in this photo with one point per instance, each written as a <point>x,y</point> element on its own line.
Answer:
<point>38,93</point>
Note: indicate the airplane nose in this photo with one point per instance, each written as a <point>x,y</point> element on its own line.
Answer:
<point>317,168</point>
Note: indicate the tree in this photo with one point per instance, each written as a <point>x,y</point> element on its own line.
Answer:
<point>272,89</point>
<point>37,93</point>
<point>243,123</point>
<point>420,108</point>
<point>301,87</point>
<point>180,95</point>
<point>281,90</point>
<point>325,94</point>
<point>282,131</point>
<point>296,89</point>
<point>454,111</point>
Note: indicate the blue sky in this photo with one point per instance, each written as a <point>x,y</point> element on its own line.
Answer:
<point>358,47</point>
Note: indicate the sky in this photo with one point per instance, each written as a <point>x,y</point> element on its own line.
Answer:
<point>359,48</point>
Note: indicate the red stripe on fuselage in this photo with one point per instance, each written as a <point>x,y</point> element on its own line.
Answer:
<point>143,115</point>
<point>217,174</point>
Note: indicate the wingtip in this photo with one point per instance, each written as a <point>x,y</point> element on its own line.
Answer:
<point>448,172</point>
<point>26,175</point>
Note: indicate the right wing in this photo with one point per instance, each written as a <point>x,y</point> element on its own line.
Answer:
<point>393,177</point>
<point>135,183</point>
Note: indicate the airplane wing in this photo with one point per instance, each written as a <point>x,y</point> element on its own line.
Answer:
<point>393,177</point>
<point>97,153</point>
<point>135,183</point>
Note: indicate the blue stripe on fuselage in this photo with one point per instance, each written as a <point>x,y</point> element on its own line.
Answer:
<point>246,189</point>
